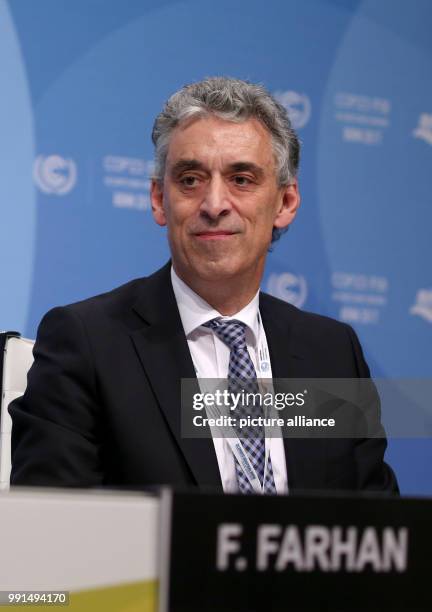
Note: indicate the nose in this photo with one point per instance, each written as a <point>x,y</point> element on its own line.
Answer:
<point>216,201</point>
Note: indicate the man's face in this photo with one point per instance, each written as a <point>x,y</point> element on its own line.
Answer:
<point>220,199</point>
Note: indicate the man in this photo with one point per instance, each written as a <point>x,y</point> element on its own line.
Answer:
<point>102,405</point>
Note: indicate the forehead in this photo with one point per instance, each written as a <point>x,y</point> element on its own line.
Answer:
<point>213,140</point>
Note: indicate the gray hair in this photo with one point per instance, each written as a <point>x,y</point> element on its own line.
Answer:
<point>233,100</point>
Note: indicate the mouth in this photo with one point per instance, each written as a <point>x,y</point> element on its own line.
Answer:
<point>214,235</point>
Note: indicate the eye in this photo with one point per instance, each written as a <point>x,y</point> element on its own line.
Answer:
<point>189,181</point>
<point>242,181</point>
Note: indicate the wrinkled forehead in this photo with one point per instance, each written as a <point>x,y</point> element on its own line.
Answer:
<point>212,140</point>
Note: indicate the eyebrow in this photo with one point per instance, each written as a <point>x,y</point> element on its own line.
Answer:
<point>247,167</point>
<point>183,165</point>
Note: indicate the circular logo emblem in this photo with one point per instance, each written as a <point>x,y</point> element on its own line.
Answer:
<point>264,366</point>
<point>54,174</point>
<point>298,107</point>
<point>289,287</point>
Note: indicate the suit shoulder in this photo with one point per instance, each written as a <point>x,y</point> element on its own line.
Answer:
<point>119,297</point>
<point>302,318</point>
<point>331,345</point>
<point>96,311</point>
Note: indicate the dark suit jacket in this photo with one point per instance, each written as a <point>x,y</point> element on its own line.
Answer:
<point>102,406</point>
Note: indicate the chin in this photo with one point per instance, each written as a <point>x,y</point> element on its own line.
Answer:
<point>217,269</point>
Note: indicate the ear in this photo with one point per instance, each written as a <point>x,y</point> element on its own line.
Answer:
<point>289,203</point>
<point>156,196</point>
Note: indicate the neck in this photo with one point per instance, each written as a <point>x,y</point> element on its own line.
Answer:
<point>228,295</point>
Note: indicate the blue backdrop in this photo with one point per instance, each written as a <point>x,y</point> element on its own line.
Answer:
<point>80,85</point>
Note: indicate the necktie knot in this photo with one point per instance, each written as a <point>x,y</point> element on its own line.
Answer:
<point>231,331</point>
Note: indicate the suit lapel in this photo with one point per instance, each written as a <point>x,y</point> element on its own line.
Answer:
<point>304,457</point>
<point>164,354</point>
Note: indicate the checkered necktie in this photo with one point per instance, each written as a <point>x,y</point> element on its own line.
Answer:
<point>242,376</point>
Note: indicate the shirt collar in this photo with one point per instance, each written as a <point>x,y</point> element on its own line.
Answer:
<point>194,311</point>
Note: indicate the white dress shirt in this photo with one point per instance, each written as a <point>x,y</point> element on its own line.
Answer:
<point>210,356</point>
